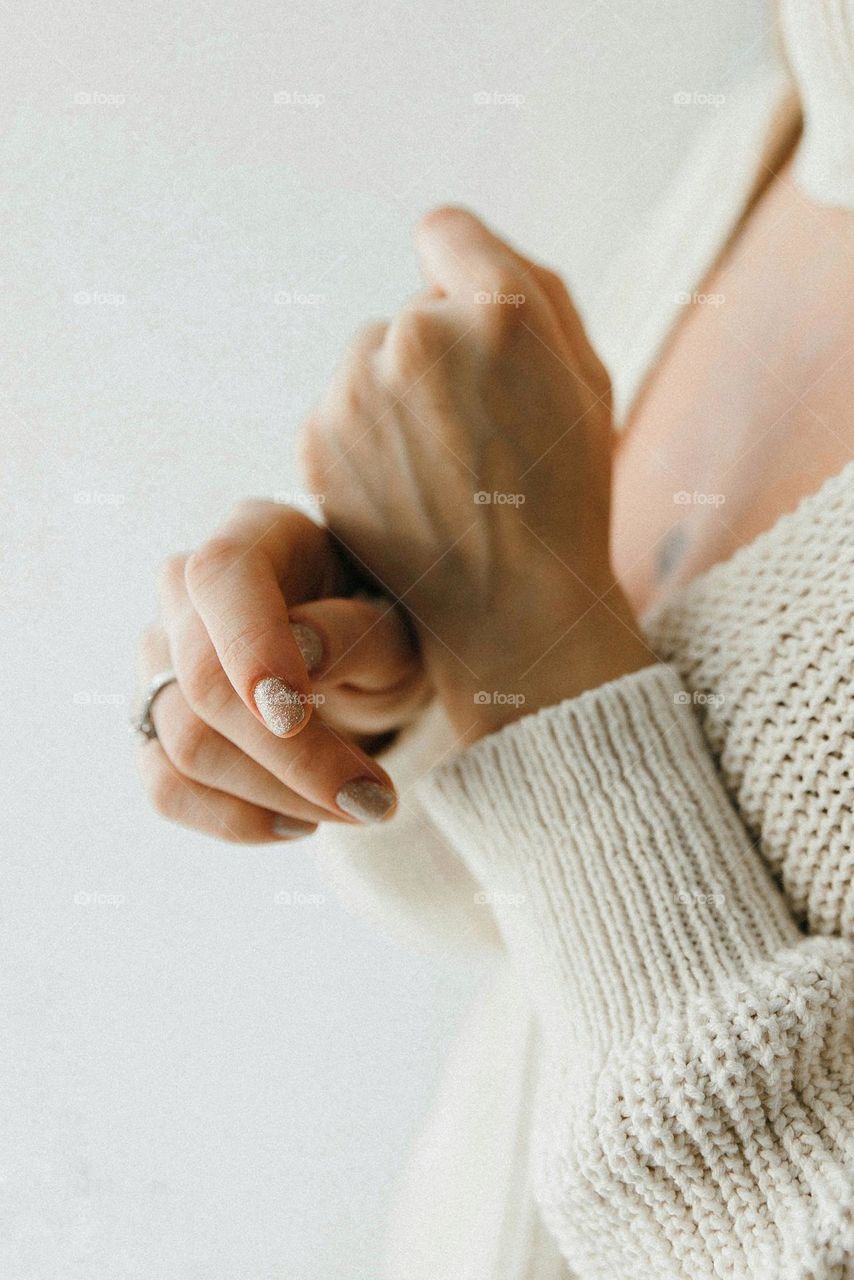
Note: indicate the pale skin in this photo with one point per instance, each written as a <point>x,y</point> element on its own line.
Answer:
<point>537,599</point>
<point>751,400</point>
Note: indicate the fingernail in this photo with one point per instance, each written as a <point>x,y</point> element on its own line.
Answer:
<point>365,799</point>
<point>288,828</point>
<point>309,644</point>
<point>279,704</point>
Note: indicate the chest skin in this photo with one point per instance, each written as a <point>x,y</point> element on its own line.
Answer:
<point>750,406</point>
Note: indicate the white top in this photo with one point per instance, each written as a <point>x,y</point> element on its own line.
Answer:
<point>819,44</point>
<point>658,1082</point>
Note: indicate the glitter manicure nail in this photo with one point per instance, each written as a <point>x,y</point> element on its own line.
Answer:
<point>290,828</point>
<point>309,644</point>
<point>279,704</point>
<point>365,799</point>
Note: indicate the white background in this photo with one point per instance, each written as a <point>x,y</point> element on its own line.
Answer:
<point>199,1082</point>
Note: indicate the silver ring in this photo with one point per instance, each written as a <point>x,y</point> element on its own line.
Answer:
<point>142,724</point>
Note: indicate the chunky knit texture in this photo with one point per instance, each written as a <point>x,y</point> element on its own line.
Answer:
<point>696,1110</point>
<point>765,641</point>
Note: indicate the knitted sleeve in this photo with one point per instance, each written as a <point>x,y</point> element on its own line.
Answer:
<point>696,1112</point>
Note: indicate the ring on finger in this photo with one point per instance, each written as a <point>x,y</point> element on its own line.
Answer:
<point>141,723</point>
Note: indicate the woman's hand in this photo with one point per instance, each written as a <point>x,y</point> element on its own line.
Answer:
<point>266,603</point>
<point>464,455</point>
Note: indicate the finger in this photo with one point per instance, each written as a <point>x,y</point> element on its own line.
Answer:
<point>319,764</point>
<point>341,399</point>
<point>364,663</point>
<point>367,341</point>
<point>461,257</point>
<point>374,715</point>
<point>236,583</point>
<point>363,643</point>
<point>592,371</point>
<point>202,755</point>
<point>203,808</point>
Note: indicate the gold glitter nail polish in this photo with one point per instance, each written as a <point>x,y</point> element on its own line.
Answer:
<point>365,799</point>
<point>280,706</point>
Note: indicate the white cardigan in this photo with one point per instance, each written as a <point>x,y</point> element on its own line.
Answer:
<point>660,1081</point>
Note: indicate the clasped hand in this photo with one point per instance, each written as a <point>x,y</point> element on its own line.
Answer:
<point>462,454</point>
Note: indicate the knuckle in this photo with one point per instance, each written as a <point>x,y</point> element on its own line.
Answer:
<point>172,572</point>
<point>210,561</point>
<point>246,640</point>
<point>504,282</point>
<point>254,508</point>
<point>552,280</point>
<point>152,644</point>
<point>300,763</point>
<point>600,378</point>
<point>412,341</point>
<point>293,522</point>
<point>496,277</point>
<point>284,520</point>
<point>355,360</point>
<point>508,309</point>
<point>311,454</point>
<point>204,685</point>
<point>236,825</point>
<point>368,337</point>
<point>352,402</point>
<point>354,389</point>
<point>186,740</point>
<point>308,437</point>
<point>357,374</point>
<point>163,787</point>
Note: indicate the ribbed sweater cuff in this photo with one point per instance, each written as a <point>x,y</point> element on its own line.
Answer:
<point>621,878</point>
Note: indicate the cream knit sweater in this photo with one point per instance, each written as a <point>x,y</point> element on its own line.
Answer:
<point>661,1081</point>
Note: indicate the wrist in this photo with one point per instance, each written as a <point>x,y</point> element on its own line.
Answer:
<point>563,661</point>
